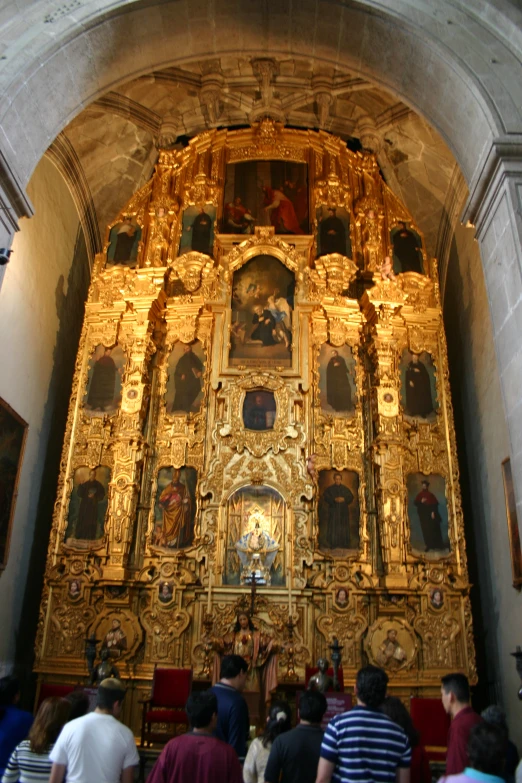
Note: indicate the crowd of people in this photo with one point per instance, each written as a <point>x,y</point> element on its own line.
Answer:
<point>374,742</point>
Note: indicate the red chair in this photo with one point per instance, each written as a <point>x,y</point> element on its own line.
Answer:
<point>311,670</point>
<point>431,720</point>
<point>170,691</point>
<point>48,689</point>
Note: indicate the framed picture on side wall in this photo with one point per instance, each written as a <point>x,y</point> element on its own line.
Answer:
<point>513,529</point>
<point>13,433</point>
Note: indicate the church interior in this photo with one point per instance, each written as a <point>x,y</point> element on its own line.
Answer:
<point>260,366</point>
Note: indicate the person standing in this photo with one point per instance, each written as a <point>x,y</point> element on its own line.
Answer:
<point>278,722</point>
<point>14,723</point>
<point>495,715</point>
<point>420,771</point>
<point>97,748</point>
<point>363,744</point>
<point>455,697</point>
<point>233,723</point>
<point>198,757</point>
<point>486,752</point>
<point>294,755</point>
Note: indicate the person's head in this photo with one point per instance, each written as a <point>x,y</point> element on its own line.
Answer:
<point>312,706</point>
<point>165,589</point>
<point>332,211</point>
<point>237,201</point>
<point>454,692</point>
<point>50,719</point>
<point>175,475</point>
<point>322,665</point>
<point>258,310</point>
<point>495,715</point>
<point>392,635</point>
<point>436,597</point>
<point>234,670</point>
<point>334,354</point>
<point>338,478</point>
<point>487,748</point>
<point>425,484</point>
<point>111,693</point>
<point>9,690</point>
<point>397,712</point>
<point>187,348</point>
<point>370,686</point>
<point>243,621</point>
<point>259,399</point>
<point>342,596</point>
<point>201,709</point>
<point>278,721</point>
<point>79,702</point>
<point>415,358</point>
<point>92,474</point>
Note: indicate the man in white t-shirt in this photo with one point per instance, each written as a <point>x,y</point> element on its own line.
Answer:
<point>96,748</point>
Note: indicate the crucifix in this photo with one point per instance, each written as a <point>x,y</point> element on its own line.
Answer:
<point>253,582</point>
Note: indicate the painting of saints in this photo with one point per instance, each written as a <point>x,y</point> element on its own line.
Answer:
<point>185,382</point>
<point>333,231</point>
<point>281,211</point>
<point>124,240</point>
<point>166,592</point>
<point>262,314</point>
<point>104,382</point>
<point>88,504</point>
<point>175,508</point>
<point>238,219</point>
<point>198,229</point>
<point>338,510</point>
<point>13,432</point>
<point>407,250</point>
<point>391,655</point>
<point>417,385</point>
<point>428,513</point>
<point>259,410</point>
<point>437,598</point>
<point>337,380</point>
<point>115,639</point>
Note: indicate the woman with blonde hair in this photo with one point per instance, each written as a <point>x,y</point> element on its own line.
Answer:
<point>29,762</point>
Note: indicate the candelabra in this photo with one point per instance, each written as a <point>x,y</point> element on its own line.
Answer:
<point>290,675</point>
<point>208,624</point>
<point>336,649</point>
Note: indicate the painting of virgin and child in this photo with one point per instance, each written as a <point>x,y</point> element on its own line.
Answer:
<point>262,314</point>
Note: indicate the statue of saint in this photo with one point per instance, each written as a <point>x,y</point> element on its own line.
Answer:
<point>104,669</point>
<point>256,551</point>
<point>321,681</point>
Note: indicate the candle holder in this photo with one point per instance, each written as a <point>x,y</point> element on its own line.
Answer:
<point>517,655</point>
<point>290,675</point>
<point>208,625</point>
<point>336,649</point>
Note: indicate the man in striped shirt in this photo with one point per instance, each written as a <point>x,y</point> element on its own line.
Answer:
<point>363,745</point>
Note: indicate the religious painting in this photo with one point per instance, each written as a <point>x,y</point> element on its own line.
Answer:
<point>13,433</point>
<point>436,598</point>
<point>391,644</point>
<point>115,640</point>
<point>186,367</point>
<point>255,537</point>
<point>337,380</point>
<point>259,410</point>
<point>428,514</point>
<point>116,591</point>
<point>266,193</point>
<point>124,240</point>
<point>166,592</point>
<point>262,314</point>
<point>198,229</point>
<point>175,508</point>
<point>513,529</point>
<point>338,511</point>
<point>75,589</point>
<point>341,598</point>
<point>88,505</point>
<point>418,385</point>
<point>333,231</point>
<point>407,250</point>
<point>106,367</point>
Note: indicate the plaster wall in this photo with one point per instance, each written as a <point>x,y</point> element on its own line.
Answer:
<point>34,289</point>
<point>483,443</point>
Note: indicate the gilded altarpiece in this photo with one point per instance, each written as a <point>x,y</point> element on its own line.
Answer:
<point>278,438</point>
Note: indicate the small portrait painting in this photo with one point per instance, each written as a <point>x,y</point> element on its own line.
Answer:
<point>88,504</point>
<point>259,410</point>
<point>175,508</point>
<point>124,239</point>
<point>186,367</point>
<point>337,380</point>
<point>166,592</point>
<point>418,385</point>
<point>436,598</point>
<point>13,433</point>
<point>333,231</point>
<point>106,367</point>
<point>198,229</point>
<point>75,589</point>
<point>115,640</point>
<point>391,655</point>
<point>407,250</point>
<point>262,314</point>
<point>341,597</point>
<point>338,511</point>
<point>428,514</point>
<point>266,193</point>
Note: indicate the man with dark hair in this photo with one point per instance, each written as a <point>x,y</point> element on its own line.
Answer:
<point>456,701</point>
<point>14,723</point>
<point>233,723</point>
<point>97,748</point>
<point>294,755</point>
<point>487,752</point>
<point>198,757</point>
<point>363,744</point>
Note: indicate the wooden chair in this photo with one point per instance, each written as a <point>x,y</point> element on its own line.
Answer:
<point>170,691</point>
<point>432,722</point>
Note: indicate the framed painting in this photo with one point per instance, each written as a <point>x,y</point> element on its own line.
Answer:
<point>513,529</point>
<point>338,511</point>
<point>198,229</point>
<point>428,515</point>
<point>186,367</point>
<point>175,508</point>
<point>13,434</point>
<point>333,231</point>
<point>88,505</point>
<point>407,250</point>
<point>337,383</point>
<point>266,193</point>
<point>418,386</point>
<point>124,240</point>
<point>106,367</point>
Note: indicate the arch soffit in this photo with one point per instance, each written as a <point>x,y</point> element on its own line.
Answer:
<point>402,53</point>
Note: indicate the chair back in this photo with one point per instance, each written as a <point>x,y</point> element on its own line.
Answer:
<point>171,687</point>
<point>432,722</point>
